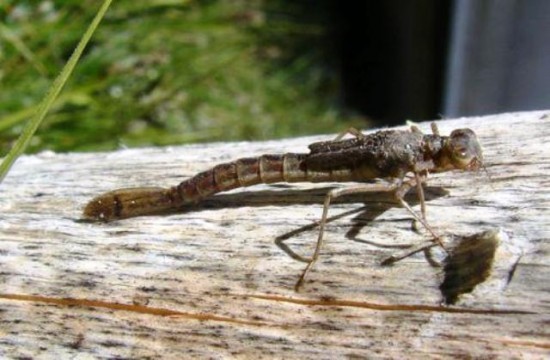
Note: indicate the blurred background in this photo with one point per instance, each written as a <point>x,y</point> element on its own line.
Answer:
<point>161,72</point>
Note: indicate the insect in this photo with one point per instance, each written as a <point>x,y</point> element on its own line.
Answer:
<point>402,158</point>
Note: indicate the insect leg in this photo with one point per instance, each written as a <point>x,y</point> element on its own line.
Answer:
<point>400,194</point>
<point>416,129</point>
<point>435,129</point>
<point>333,194</point>
<point>352,131</point>
<point>420,191</point>
<point>420,171</point>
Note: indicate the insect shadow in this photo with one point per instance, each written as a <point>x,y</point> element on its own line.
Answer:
<point>376,203</point>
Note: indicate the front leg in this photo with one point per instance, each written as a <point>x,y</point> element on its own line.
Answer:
<point>400,197</point>
<point>400,194</point>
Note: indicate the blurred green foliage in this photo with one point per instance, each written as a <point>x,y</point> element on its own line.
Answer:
<point>161,72</point>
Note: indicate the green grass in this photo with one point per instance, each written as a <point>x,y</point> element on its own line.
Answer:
<point>32,125</point>
<point>166,72</point>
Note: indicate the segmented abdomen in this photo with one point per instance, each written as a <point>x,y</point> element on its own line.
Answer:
<point>266,169</point>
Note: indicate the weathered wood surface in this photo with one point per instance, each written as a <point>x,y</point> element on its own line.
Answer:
<point>211,281</point>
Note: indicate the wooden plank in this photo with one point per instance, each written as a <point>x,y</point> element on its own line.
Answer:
<point>211,281</point>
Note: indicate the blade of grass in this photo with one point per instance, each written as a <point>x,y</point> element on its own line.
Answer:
<point>22,48</point>
<point>29,130</point>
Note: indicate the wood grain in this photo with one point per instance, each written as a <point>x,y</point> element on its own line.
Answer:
<point>216,280</point>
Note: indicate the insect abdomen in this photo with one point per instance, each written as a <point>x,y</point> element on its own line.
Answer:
<point>124,203</point>
<point>264,169</point>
